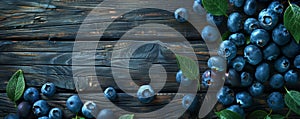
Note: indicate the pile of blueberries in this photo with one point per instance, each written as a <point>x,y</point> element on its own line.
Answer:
<point>34,106</point>
<point>270,57</point>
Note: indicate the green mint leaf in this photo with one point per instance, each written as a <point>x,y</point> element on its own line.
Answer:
<point>268,117</point>
<point>127,116</point>
<point>225,35</point>
<point>188,67</point>
<point>227,114</point>
<point>291,20</point>
<point>248,40</point>
<point>277,116</point>
<point>295,95</point>
<point>15,86</point>
<point>290,102</point>
<point>258,114</point>
<point>216,7</point>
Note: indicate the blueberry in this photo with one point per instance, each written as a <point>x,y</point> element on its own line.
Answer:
<point>250,7</point>
<point>190,102</point>
<point>180,78</point>
<point>199,1</point>
<point>31,95</point>
<point>217,63</point>
<point>110,93</point>
<point>227,50</point>
<point>48,89</point>
<point>267,19</point>
<point>253,54</point>
<point>237,109</point>
<point>145,94</point>
<point>238,63</point>
<point>234,22</point>
<point>40,108</point>
<point>282,64</point>
<point>271,52</point>
<point>291,49</point>
<point>197,8</point>
<point>55,113</point>
<point>250,25</point>
<point>262,72</point>
<point>106,114</point>
<point>233,78</point>
<point>276,7</point>
<point>256,89</point>
<point>237,3</point>
<point>214,20</point>
<point>260,37</point>
<point>210,34</point>
<point>238,39</point>
<point>12,116</point>
<point>246,79</point>
<point>24,109</point>
<point>297,61</point>
<point>291,77</point>
<point>207,79</point>
<point>281,35</point>
<point>225,96</point>
<point>244,99</point>
<point>275,101</point>
<point>181,15</point>
<point>276,81</point>
<point>43,117</point>
<point>89,108</point>
<point>74,103</point>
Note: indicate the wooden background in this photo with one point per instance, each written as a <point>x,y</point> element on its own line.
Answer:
<point>37,36</point>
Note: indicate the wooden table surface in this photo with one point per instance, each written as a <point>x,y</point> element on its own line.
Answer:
<point>37,36</point>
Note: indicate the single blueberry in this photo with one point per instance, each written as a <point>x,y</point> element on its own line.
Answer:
<point>238,39</point>
<point>110,93</point>
<point>276,7</point>
<point>268,19</point>
<point>89,108</point>
<point>237,3</point>
<point>48,89</point>
<point>282,64</point>
<point>244,99</point>
<point>190,102</point>
<point>237,109</point>
<point>276,101</point>
<point>291,77</point>
<point>271,52</point>
<point>55,113</point>
<point>106,114</point>
<point>181,15</point>
<point>256,89</point>
<point>291,49</point>
<point>233,78</point>
<point>227,50</point>
<point>246,79</point>
<point>250,7</point>
<point>40,108</point>
<point>74,103</point>
<point>250,25</point>
<point>145,94</point>
<point>24,108</point>
<point>31,95</point>
<point>260,37</point>
<point>207,79</point>
<point>234,22</point>
<point>210,34</point>
<point>297,61</point>
<point>276,81</point>
<point>12,116</point>
<point>214,20</point>
<point>281,35</point>
<point>180,78</point>
<point>262,72</point>
<point>225,96</point>
<point>253,54</point>
<point>217,63</point>
<point>238,63</point>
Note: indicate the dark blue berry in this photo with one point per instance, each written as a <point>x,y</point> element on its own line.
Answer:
<point>250,7</point>
<point>275,101</point>
<point>238,39</point>
<point>291,77</point>
<point>225,96</point>
<point>180,78</point>
<point>207,78</point>
<point>55,113</point>
<point>227,50</point>
<point>250,25</point>
<point>24,108</point>
<point>40,108</point>
<point>238,63</point>
<point>48,89</point>
<point>291,49</point>
<point>271,51</point>
<point>237,3</point>
<point>210,34</point>
<point>106,114</point>
<point>110,93</point>
<point>181,15</point>
<point>280,35</point>
<point>214,20</point>
<point>74,103</point>
<point>234,22</point>
<point>262,72</point>
<point>217,63</point>
<point>276,7</point>
<point>253,54</point>
<point>246,79</point>
<point>268,19</point>
<point>282,64</point>
<point>276,81</point>
<point>89,108</point>
<point>297,61</point>
<point>145,94</point>
<point>233,78</point>
<point>260,37</point>
<point>244,99</point>
<point>256,89</point>
<point>237,109</point>
<point>31,95</point>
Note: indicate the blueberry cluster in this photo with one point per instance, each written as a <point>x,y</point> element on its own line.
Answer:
<point>270,57</point>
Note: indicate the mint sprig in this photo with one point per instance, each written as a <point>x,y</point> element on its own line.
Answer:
<point>15,86</point>
<point>291,20</point>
